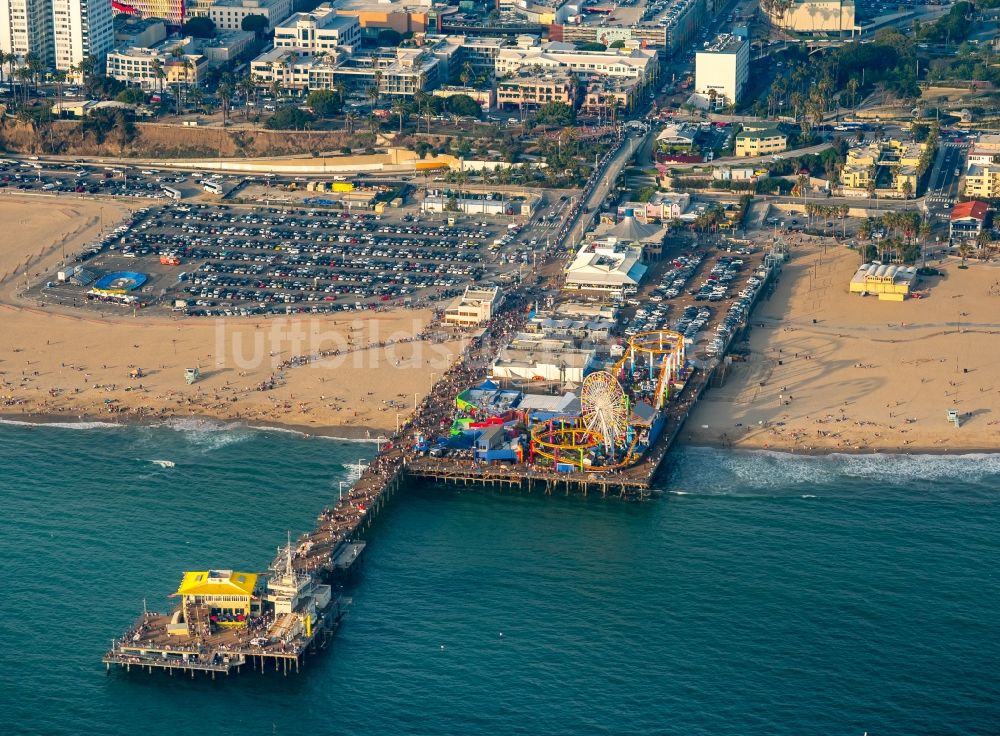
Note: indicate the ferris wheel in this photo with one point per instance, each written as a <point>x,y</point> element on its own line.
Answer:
<point>605,408</point>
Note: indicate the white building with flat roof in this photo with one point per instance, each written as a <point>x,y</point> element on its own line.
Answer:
<point>474,307</point>
<point>722,70</point>
<point>228,15</point>
<point>606,265</point>
<point>634,63</point>
<point>318,31</point>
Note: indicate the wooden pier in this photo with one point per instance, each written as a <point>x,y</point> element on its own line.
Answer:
<point>336,544</point>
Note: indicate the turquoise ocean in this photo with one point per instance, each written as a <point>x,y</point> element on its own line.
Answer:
<point>759,593</point>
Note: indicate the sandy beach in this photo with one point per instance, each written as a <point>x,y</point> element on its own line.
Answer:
<point>65,365</point>
<point>831,371</point>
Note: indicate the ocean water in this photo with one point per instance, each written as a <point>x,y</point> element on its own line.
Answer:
<point>759,594</point>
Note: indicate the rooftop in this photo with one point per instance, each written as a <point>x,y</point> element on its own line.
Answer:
<point>726,43</point>
<point>217,582</point>
<point>974,209</point>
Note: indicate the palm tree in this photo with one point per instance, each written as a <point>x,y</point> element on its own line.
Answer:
<point>341,89</point>
<point>983,241</point>
<point>59,77</point>
<point>964,250</point>
<point>907,189</point>
<point>225,92</point>
<point>35,64</point>
<point>156,68</point>
<point>23,74</point>
<point>399,108</point>
<point>246,88</point>
<point>852,87</point>
<point>466,74</point>
<point>925,234</point>
<point>376,89</point>
<point>3,60</point>
<point>176,53</point>
<point>188,68</point>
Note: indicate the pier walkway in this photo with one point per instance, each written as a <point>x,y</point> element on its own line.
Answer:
<point>336,543</point>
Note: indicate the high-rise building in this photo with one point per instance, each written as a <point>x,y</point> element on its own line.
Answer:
<point>26,26</point>
<point>81,28</point>
<point>60,32</point>
<point>722,69</point>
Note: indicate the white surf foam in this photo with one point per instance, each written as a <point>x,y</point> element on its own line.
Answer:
<point>762,469</point>
<point>164,463</point>
<point>62,425</point>
<point>208,435</point>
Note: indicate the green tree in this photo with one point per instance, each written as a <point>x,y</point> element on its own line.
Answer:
<point>463,105</point>
<point>324,102</point>
<point>389,37</point>
<point>290,118</point>
<point>132,95</point>
<point>201,27</point>
<point>619,44</point>
<point>554,113</point>
<point>255,23</point>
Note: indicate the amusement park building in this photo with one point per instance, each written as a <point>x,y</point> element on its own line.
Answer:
<point>538,358</point>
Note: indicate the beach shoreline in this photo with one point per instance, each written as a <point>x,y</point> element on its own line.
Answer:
<point>374,434</point>
<point>339,432</point>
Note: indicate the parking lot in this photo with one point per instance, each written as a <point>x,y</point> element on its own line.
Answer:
<point>222,260</point>
<point>674,295</point>
<point>111,180</point>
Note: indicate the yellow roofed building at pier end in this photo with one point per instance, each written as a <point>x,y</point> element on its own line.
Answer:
<point>229,596</point>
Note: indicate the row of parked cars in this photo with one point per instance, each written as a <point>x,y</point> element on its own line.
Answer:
<point>648,320</point>
<point>716,285</point>
<point>674,280</point>
<point>736,315</point>
<point>692,322</point>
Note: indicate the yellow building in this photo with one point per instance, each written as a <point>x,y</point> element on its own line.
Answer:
<point>229,595</point>
<point>901,159</point>
<point>531,89</point>
<point>762,140</point>
<point>889,282</point>
<point>816,16</point>
<point>982,182</point>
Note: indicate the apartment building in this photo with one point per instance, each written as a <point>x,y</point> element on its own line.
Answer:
<point>535,89</point>
<point>26,25</point>
<point>318,31</point>
<point>760,140</point>
<point>228,15</point>
<point>173,12</point>
<point>629,63</point>
<point>81,28</point>
<point>891,166</point>
<point>983,181</point>
<point>666,25</point>
<point>611,93</point>
<point>153,68</point>
<point>398,72</point>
